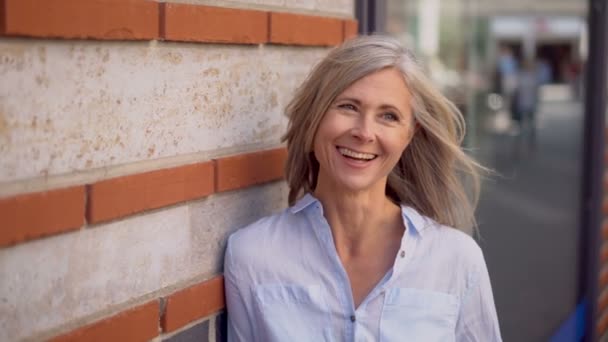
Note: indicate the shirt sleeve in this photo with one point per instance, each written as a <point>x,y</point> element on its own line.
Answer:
<point>477,321</point>
<point>239,325</point>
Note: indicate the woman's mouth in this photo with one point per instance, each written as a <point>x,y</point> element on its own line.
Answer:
<point>361,156</point>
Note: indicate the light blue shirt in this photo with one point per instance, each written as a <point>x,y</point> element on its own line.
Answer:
<point>284,282</point>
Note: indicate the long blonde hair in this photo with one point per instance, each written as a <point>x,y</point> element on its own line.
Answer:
<point>433,169</point>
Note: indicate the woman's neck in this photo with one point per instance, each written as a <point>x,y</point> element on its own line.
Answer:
<point>361,220</point>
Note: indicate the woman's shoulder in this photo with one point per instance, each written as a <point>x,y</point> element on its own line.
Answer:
<point>259,229</point>
<point>455,244</point>
<point>440,235</point>
<point>266,246</point>
<point>278,226</point>
<point>248,246</point>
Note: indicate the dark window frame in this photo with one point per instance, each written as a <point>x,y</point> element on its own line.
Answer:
<point>371,15</point>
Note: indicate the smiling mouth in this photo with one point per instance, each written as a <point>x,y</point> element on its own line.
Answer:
<point>356,155</point>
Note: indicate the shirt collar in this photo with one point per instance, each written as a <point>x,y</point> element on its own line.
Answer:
<point>302,203</point>
<point>414,220</point>
<point>411,218</point>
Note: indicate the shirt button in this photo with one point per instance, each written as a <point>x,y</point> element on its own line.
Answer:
<point>353,318</point>
<point>402,254</point>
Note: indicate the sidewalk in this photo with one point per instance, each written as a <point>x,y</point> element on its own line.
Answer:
<point>528,218</point>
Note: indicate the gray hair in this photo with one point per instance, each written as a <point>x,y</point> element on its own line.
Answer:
<point>432,171</point>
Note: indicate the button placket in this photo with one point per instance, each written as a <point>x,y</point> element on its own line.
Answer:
<point>324,233</point>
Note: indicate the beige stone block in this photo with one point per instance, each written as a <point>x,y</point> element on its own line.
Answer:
<point>341,8</point>
<point>68,106</point>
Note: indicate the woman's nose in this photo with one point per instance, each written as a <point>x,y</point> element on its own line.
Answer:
<point>363,130</point>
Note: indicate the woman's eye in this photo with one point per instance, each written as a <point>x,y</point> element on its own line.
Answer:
<point>347,106</point>
<point>390,116</point>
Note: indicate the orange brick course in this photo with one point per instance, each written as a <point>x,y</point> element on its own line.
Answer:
<point>96,19</point>
<point>603,278</point>
<point>603,300</point>
<point>118,197</point>
<point>297,29</point>
<point>193,303</point>
<point>32,216</point>
<point>148,20</point>
<point>350,28</point>
<point>2,17</point>
<point>602,324</point>
<point>146,321</point>
<point>137,324</point>
<point>248,169</point>
<point>183,22</point>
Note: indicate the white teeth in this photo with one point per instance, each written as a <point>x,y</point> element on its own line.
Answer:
<point>356,155</point>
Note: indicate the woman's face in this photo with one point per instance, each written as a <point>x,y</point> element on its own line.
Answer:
<point>364,132</point>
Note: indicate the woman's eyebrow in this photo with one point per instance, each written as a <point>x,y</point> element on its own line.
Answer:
<point>391,107</point>
<point>350,99</point>
<point>358,102</point>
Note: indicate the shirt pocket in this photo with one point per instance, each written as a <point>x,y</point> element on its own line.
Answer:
<point>418,315</point>
<point>292,313</point>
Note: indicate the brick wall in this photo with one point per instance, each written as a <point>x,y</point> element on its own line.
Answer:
<point>135,136</point>
<point>602,323</point>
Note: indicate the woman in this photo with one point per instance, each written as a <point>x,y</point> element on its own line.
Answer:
<point>366,251</point>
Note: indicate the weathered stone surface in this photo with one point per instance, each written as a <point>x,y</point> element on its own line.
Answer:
<point>79,106</point>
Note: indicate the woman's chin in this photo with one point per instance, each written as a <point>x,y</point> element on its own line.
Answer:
<point>355,185</point>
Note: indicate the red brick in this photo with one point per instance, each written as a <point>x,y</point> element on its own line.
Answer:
<point>603,301</point>
<point>184,22</point>
<point>605,230</point>
<point>137,324</point>
<point>604,252</point>
<point>602,324</point>
<point>2,17</point>
<point>118,197</point>
<point>605,206</point>
<point>351,28</point>
<point>603,277</point>
<point>248,169</point>
<point>193,303</point>
<point>297,29</point>
<point>32,216</point>
<point>97,19</point>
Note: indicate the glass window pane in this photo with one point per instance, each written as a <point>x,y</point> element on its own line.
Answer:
<point>514,68</point>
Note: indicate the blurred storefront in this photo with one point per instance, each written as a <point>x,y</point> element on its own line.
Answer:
<point>460,40</point>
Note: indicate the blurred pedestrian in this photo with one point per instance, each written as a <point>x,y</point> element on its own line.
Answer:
<point>525,103</point>
<point>508,69</point>
<point>544,71</point>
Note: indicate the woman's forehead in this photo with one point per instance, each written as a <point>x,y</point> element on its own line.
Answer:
<point>387,85</point>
